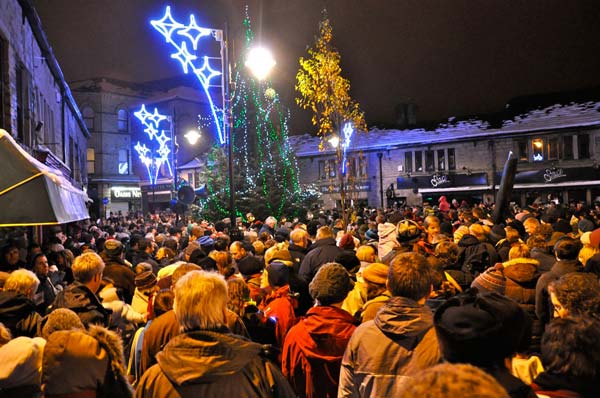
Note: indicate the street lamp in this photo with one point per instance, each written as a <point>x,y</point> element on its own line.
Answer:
<point>192,136</point>
<point>260,62</point>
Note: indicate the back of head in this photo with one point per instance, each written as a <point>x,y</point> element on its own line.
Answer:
<point>518,250</point>
<point>477,231</point>
<point>452,381</point>
<point>331,284</point>
<point>567,248</point>
<point>410,276</point>
<point>578,293</point>
<point>366,253</point>
<point>182,270</point>
<point>324,232</point>
<point>86,266</point>
<point>201,301</point>
<point>408,231</point>
<point>22,281</point>
<point>61,319</point>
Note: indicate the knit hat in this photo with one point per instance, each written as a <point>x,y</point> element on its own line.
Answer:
<point>376,273</point>
<point>585,225</point>
<point>206,241</point>
<point>278,274</point>
<point>278,252</point>
<point>113,248</point>
<point>347,242</point>
<point>562,226</point>
<point>330,284</point>
<point>371,235</point>
<point>408,231</point>
<point>595,238</point>
<point>480,329</point>
<point>497,233</point>
<point>282,234</point>
<point>145,280</point>
<point>492,280</point>
<point>60,319</point>
<point>249,265</point>
<point>348,260</point>
<point>21,362</point>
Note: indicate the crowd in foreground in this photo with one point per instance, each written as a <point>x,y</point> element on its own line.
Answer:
<point>428,302</point>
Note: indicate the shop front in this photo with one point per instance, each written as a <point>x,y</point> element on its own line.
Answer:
<point>124,199</point>
<point>471,187</point>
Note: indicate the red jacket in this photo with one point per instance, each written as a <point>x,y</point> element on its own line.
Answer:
<point>280,306</point>
<point>313,350</point>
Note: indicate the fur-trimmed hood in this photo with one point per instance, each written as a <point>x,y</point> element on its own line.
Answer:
<point>521,269</point>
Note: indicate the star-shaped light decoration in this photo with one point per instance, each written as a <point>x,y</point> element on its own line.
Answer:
<point>167,25</point>
<point>194,32</point>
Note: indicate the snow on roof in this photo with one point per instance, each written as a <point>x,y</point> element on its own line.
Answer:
<point>550,118</point>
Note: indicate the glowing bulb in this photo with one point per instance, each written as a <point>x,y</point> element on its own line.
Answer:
<point>260,61</point>
<point>192,137</point>
<point>334,141</point>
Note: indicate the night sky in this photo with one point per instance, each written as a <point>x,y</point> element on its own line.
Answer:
<point>450,57</point>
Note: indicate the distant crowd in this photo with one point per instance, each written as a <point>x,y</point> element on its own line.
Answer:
<point>431,301</point>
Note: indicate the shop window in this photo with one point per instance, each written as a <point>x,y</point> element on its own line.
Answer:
<point>91,160</point>
<point>122,120</point>
<point>451,159</point>
<point>429,160</point>
<point>537,145</point>
<point>553,150</point>
<point>123,161</point>
<point>408,162</point>
<point>418,161</point>
<point>441,160</point>
<point>523,150</point>
<point>568,147</point>
<point>583,146</point>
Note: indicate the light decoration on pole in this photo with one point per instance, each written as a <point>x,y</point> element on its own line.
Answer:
<point>179,35</point>
<point>348,131</point>
<point>153,160</point>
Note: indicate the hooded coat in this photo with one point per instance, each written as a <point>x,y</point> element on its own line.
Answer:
<point>280,306</point>
<point>17,313</point>
<point>313,350</point>
<point>387,239</point>
<point>384,352</point>
<point>212,364</point>
<point>81,300</point>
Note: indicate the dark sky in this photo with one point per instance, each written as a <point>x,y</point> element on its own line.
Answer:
<point>450,57</point>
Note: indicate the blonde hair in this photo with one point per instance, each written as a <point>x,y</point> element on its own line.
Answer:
<point>586,252</point>
<point>259,247</point>
<point>460,231</point>
<point>518,250</point>
<point>477,231</point>
<point>22,281</point>
<point>87,266</point>
<point>201,301</point>
<point>365,252</point>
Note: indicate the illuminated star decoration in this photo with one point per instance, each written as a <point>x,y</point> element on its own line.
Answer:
<point>179,35</point>
<point>348,131</point>
<point>153,161</point>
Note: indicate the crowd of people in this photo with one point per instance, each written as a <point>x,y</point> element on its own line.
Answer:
<point>433,301</point>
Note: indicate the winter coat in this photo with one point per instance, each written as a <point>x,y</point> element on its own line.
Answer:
<point>313,350</point>
<point>546,259</point>
<point>123,278</point>
<point>543,306</point>
<point>17,313</point>
<point>382,353</point>
<point>143,257</point>
<point>476,256</point>
<point>212,364</point>
<point>563,386</point>
<point>371,307</point>
<point>122,314</point>
<point>45,294</point>
<point>323,251</point>
<point>444,206</point>
<point>83,362</point>
<point>81,300</point>
<point>387,239</point>
<point>280,306</point>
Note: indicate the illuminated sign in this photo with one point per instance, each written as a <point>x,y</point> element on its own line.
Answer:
<point>125,193</point>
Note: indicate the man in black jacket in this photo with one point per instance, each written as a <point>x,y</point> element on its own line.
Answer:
<point>324,251</point>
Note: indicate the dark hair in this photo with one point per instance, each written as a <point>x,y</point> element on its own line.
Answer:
<point>410,276</point>
<point>163,301</point>
<point>570,347</point>
<point>34,259</point>
<point>579,293</point>
<point>221,243</point>
<point>567,248</point>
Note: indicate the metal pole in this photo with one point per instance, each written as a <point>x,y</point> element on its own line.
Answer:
<point>228,124</point>
<point>380,156</point>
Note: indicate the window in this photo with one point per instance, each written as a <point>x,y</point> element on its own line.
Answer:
<point>538,149</point>
<point>523,150</point>
<point>332,169</point>
<point>88,117</point>
<point>122,120</point>
<point>553,149</point>
<point>418,161</point>
<point>408,162</point>
<point>91,161</point>
<point>451,159</point>
<point>322,170</point>
<point>583,146</point>
<point>362,166</point>
<point>123,161</point>
<point>429,161</point>
<point>568,147</point>
<point>441,160</point>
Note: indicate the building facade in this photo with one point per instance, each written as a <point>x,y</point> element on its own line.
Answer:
<point>558,148</point>
<point>36,104</point>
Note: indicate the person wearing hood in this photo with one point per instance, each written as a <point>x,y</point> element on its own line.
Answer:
<point>399,342</point>
<point>313,349</point>
<point>444,206</point>
<point>118,270</point>
<point>206,360</point>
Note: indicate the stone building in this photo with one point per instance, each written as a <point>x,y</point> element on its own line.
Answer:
<point>36,104</point>
<point>558,147</point>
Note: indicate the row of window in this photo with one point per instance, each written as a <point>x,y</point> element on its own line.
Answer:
<point>122,118</point>
<point>566,147</point>
<point>356,167</point>
<point>122,164</point>
<point>430,160</point>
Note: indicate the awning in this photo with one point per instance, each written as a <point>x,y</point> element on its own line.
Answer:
<point>32,193</point>
<point>456,189</point>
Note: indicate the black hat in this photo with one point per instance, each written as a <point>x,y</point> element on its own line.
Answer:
<point>348,260</point>
<point>249,265</point>
<point>278,273</point>
<point>562,226</point>
<point>481,329</point>
<point>113,248</point>
<point>408,231</point>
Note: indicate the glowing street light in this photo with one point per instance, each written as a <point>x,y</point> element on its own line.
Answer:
<point>260,62</point>
<point>334,141</point>
<point>192,136</point>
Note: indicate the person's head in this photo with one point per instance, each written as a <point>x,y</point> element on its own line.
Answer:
<point>575,294</point>
<point>324,233</point>
<point>223,261</point>
<point>238,294</point>
<point>113,249</point>
<point>299,237</point>
<point>570,348</point>
<point>410,276</point>
<point>278,251</point>
<point>201,301</point>
<point>181,271</point>
<point>11,254</point>
<point>518,250</point>
<point>39,265</point>
<point>447,253</point>
<point>163,302</point>
<point>237,250</point>
<point>22,281</point>
<point>530,224</point>
<point>375,276</point>
<point>61,319</point>
<point>330,285</point>
<point>366,253</point>
<point>452,380</point>
<point>567,248</point>
<point>460,232</point>
<point>432,225</point>
<point>477,231</point>
<point>88,269</point>
<point>271,222</point>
